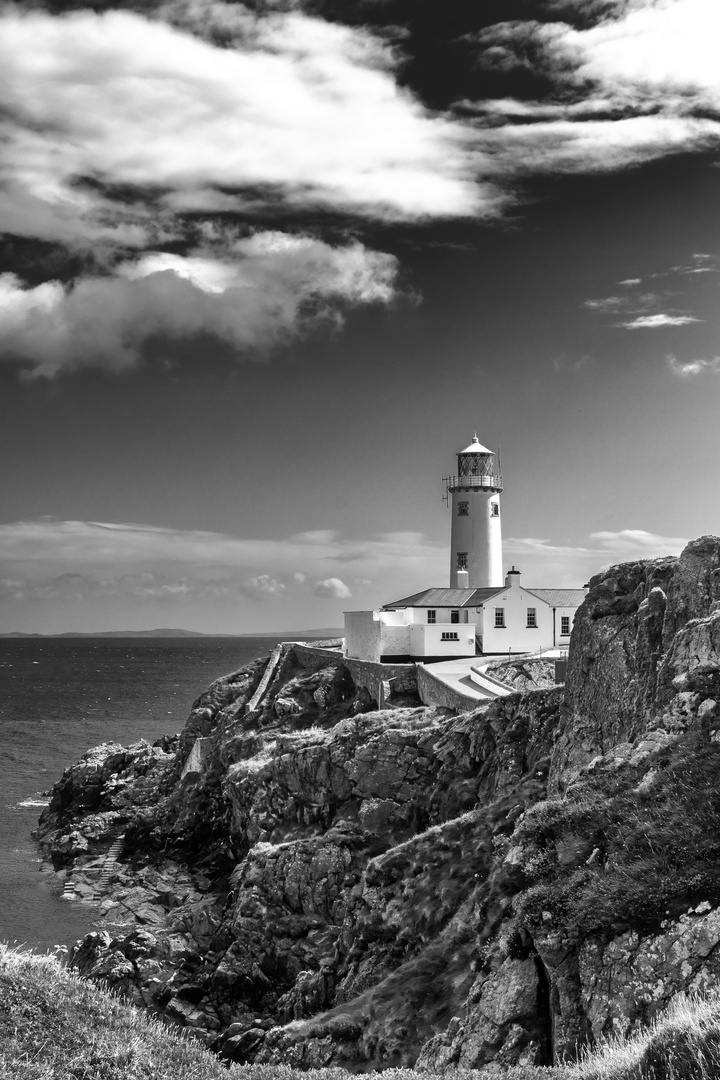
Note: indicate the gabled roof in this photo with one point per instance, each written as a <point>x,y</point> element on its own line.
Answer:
<point>458,598</point>
<point>559,597</point>
<point>441,598</point>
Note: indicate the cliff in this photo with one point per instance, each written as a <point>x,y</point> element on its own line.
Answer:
<point>315,881</point>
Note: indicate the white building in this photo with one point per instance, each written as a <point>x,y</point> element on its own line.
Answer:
<point>480,613</point>
<point>444,623</point>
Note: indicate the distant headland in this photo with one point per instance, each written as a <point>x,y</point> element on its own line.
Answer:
<point>166,632</point>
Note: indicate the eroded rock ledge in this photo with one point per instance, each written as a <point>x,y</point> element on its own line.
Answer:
<point>315,881</point>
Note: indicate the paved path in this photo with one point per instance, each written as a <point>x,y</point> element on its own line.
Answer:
<point>456,674</point>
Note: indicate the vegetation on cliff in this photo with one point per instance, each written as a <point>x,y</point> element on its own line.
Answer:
<point>56,1026</point>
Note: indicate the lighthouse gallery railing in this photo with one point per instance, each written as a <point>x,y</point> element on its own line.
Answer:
<point>487,480</point>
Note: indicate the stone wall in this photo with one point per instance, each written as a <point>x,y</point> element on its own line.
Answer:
<point>398,678</point>
<point>434,692</point>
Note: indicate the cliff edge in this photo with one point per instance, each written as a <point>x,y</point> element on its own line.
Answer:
<point>300,877</point>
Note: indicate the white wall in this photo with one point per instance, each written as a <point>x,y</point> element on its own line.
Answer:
<point>564,639</point>
<point>362,635</point>
<point>479,534</point>
<point>419,615</point>
<point>372,634</point>
<point>517,636</point>
<point>427,639</point>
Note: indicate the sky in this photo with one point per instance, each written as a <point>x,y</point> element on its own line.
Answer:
<point>265,268</point>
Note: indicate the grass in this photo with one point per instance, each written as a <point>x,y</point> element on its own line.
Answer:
<point>683,1044</point>
<point>614,852</point>
<point>54,1026</point>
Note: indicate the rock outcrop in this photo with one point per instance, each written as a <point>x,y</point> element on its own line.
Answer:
<point>306,879</point>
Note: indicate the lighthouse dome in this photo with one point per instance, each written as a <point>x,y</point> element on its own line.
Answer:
<point>476,447</point>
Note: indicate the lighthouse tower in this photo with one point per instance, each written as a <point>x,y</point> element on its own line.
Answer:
<point>476,539</point>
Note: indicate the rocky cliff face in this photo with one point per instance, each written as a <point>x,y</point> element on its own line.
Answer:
<point>313,881</point>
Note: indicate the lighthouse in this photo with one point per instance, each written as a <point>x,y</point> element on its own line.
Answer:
<point>476,538</point>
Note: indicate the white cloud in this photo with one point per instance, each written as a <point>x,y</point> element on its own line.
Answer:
<point>39,549</point>
<point>253,293</point>
<point>657,45</point>
<point>262,587</point>
<point>332,589</point>
<point>302,110</point>
<point>606,303</point>
<point>544,564</point>
<point>651,322</point>
<point>642,82</point>
<point>638,543</point>
<point>60,575</point>
<point>685,368</point>
<point>594,145</point>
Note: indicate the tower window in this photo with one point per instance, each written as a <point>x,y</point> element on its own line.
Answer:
<point>463,509</point>
<point>499,616</point>
<point>454,616</point>
<point>532,616</point>
<point>494,509</point>
<point>448,636</point>
<point>564,624</point>
<point>462,560</point>
<point>431,615</point>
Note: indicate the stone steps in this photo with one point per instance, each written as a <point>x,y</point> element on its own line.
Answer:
<point>108,867</point>
<point>68,892</point>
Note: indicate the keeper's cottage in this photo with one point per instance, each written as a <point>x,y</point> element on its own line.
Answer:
<point>482,611</point>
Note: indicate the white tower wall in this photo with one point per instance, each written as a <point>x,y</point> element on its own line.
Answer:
<point>478,535</point>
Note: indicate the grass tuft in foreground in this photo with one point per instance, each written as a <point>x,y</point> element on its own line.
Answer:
<point>54,1026</point>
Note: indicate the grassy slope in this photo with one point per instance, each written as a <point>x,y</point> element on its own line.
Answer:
<point>53,1025</point>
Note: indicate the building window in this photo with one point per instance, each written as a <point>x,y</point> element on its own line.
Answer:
<point>499,616</point>
<point>462,561</point>
<point>463,509</point>
<point>564,624</point>
<point>494,509</point>
<point>532,616</point>
<point>431,615</point>
<point>448,636</point>
<point>454,616</point>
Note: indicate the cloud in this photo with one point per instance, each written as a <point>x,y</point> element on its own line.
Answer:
<point>262,587</point>
<point>332,589</point>
<point>37,550</point>
<point>252,293</point>
<point>606,303</point>
<point>651,322</point>
<point>546,564</point>
<point>61,575</point>
<point>640,305</point>
<point>629,282</point>
<point>563,362</point>
<point>205,103</point>
<point>685,368</point>
<point>637,543</point>
<point>637,82</point>
<point>115,122</point>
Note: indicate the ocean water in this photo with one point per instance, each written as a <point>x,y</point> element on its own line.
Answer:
<point>58,698</point>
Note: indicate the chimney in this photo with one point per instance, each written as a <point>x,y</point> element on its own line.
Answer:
<point>463,579</point>
<point>512,579</point>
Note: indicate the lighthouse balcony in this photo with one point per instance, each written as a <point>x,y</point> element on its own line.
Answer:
<point>484,482</point>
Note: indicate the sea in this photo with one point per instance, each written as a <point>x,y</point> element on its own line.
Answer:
<point>58,698</point>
